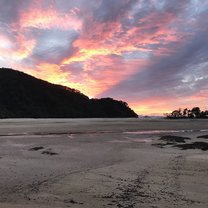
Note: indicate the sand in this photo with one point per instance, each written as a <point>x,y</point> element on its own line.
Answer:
<point>86,163</point>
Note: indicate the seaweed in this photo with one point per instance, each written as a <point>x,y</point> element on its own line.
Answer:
<point>174,139</point>
<point>195,145</point>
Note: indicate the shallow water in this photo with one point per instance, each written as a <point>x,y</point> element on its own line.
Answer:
<point>165,131</point>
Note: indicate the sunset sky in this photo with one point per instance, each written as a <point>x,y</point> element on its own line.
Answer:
<point>152,54</point>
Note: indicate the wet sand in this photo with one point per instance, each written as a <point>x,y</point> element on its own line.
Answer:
<point>86,163</point>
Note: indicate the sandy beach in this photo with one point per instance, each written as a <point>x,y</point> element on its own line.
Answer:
<point>94,163</point>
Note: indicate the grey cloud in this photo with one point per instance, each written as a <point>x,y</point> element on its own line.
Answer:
<point>165,77</point>
<point>176,6</point>
<point>10,10</point>
<point>53,45</point>
<point>75,69</point>
<point>111,10</point>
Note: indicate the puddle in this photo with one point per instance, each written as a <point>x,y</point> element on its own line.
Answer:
<point>132,140</point>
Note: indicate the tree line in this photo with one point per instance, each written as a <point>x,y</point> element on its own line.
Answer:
<point>195,112</point>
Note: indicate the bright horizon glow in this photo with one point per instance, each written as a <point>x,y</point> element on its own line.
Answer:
<point>151,55</point>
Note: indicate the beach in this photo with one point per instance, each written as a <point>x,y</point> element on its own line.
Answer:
<point>85,163</point>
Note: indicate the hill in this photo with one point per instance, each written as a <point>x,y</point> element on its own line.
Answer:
<point>24,96</point>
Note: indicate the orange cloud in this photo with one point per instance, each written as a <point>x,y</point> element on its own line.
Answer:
<point>52,73</point>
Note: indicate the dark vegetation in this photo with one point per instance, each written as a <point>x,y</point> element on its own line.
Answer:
<point>187,113</point>
<point>24,96</point>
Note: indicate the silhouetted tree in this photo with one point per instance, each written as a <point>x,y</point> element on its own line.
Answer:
<point>195,112</point>
<point>185,112</point>
<point>176,113</point>
<point>204,114</point>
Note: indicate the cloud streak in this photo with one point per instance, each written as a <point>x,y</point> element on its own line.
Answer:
<point>152,54</point>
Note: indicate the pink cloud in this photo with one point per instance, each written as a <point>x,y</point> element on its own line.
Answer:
<point>103,72</point>
<point>106,38</point>
<point>47,18</point>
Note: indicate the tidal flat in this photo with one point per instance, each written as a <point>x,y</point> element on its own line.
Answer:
<point>95,163</point>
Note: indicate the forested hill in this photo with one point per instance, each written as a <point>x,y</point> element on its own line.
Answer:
<point>24,96</point>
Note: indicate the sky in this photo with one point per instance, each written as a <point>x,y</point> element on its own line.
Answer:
<point>153,54</point>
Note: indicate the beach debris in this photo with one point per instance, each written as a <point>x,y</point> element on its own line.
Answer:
<point>174,139</point>
<point>195,145</point>
<point>36,148</point>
